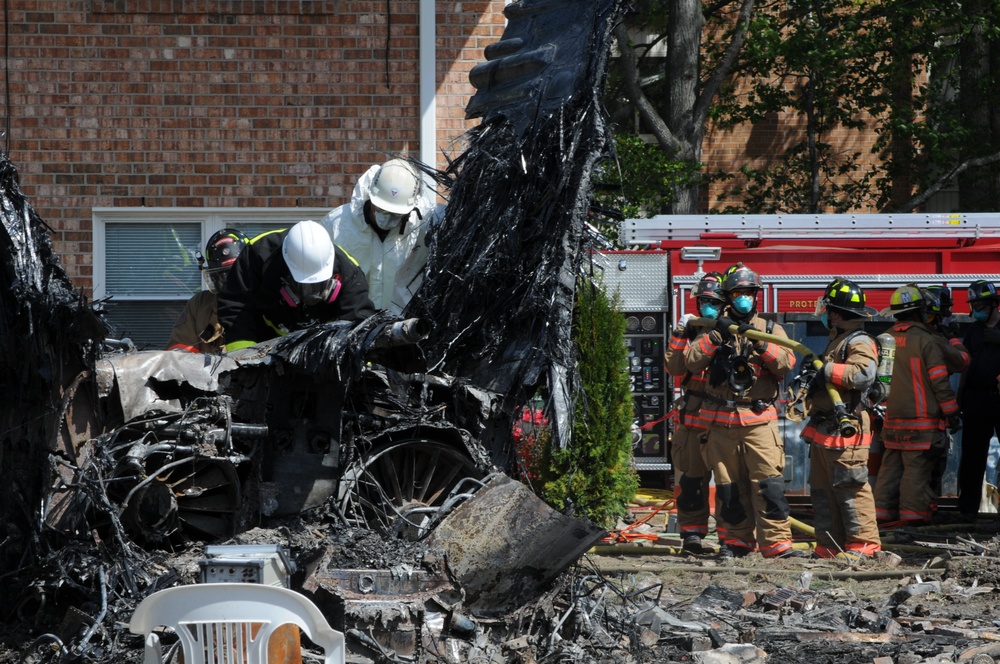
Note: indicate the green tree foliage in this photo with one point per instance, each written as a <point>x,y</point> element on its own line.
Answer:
<point>916,81</point>
<point>643,180</point>
<point>595,474</point>
<point>812,59</point>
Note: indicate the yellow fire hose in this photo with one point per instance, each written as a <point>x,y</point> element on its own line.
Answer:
<point>846,426</point>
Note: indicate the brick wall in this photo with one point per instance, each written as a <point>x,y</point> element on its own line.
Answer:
<point>221,103</point>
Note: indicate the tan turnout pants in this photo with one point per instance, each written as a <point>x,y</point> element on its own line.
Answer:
<point>691,480</point>
<point>843,502</point>
<point>748,462</point>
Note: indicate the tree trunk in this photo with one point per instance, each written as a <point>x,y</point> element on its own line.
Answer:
<point>684,28</point>
<point>901,78</point>
<point>979,188</point>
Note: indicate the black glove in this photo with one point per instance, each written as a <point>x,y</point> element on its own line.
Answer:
<point>803,380</point>
<point>745,327</point>
<point>954,423</point>
<point>819,380</point>
<point>722,324</point>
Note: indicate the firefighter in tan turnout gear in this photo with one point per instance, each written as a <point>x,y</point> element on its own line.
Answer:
<point>743,447</point>
<point>920,410</point>
<point>197,329</point>
<point>691,476</point>
<point>842,499</point>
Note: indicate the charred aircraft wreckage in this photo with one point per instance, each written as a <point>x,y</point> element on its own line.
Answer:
<point>115,460</point>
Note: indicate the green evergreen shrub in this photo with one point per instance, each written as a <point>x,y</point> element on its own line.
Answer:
<point>595,473</point>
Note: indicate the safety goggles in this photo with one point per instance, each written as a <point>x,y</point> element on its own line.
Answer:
<point>305,295</point>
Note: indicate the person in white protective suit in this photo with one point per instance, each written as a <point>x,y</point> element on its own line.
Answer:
<point>384,228</point>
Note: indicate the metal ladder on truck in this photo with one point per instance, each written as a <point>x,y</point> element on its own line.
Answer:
<point>755,228</point>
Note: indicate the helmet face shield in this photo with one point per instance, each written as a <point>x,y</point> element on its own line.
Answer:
<point>821,303</point>
<point>215,278</point>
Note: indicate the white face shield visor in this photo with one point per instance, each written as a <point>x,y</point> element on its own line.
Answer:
<point>821,303</point>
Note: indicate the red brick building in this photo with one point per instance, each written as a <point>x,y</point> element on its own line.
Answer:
<point>142,126</point>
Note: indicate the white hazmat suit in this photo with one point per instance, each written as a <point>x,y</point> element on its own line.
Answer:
<point>393,267</point>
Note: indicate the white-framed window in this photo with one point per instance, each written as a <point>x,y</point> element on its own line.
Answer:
<point>145,266</point>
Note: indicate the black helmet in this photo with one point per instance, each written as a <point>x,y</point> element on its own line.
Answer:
<point>708,287</point>
<point>939,300</point>
<point>220,253</point>
<point>740,276</point>
<point>845,296</point>
<point>223,248</point>
<point>982,290</point>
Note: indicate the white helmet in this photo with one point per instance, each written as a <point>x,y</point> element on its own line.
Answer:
<point>308,252</point>
<point>395,188</point>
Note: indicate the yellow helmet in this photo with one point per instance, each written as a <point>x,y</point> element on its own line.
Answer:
<point>907,298</point>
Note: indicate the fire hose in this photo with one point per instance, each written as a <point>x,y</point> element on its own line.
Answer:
<point>844,423</point>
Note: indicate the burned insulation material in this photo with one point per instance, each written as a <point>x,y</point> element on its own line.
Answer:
<point>49,339</point>
<point>503,264</point>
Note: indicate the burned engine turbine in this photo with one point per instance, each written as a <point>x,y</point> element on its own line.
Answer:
<point>202,446</point>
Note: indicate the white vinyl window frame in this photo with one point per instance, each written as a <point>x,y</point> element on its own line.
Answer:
<point>208,220</point>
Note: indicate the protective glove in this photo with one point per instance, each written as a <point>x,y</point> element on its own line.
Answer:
<point>803,380</point>
<point>684,328</point>
<point>819,380</point>
<point>954,423</point>
<point>811,378</point>
<point>722,324</point>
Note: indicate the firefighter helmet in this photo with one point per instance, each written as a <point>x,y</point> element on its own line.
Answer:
<point>740,276</point>
<point>396,187</point>
<point>906,298</point>
<point>221,252</point>
<point>223,248</point>
<point>982,290</point>
<point>709,287</point>
<point>844,296</point>
<point>308,252</point>
<point>939,300</point>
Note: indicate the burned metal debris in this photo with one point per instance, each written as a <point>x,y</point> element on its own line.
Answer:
<point>503,264</point>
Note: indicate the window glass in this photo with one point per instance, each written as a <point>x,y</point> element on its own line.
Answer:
<point>152,260</point>
<point>146,265</point>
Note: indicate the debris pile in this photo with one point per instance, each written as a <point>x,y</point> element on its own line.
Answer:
<point>929,608</point>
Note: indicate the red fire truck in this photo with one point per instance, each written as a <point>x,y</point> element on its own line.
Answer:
<point>796,256</point>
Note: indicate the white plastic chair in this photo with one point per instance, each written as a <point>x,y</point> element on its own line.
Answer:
<point>215,622</point>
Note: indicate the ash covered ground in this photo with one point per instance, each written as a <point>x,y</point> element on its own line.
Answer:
<point>630,603</point>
